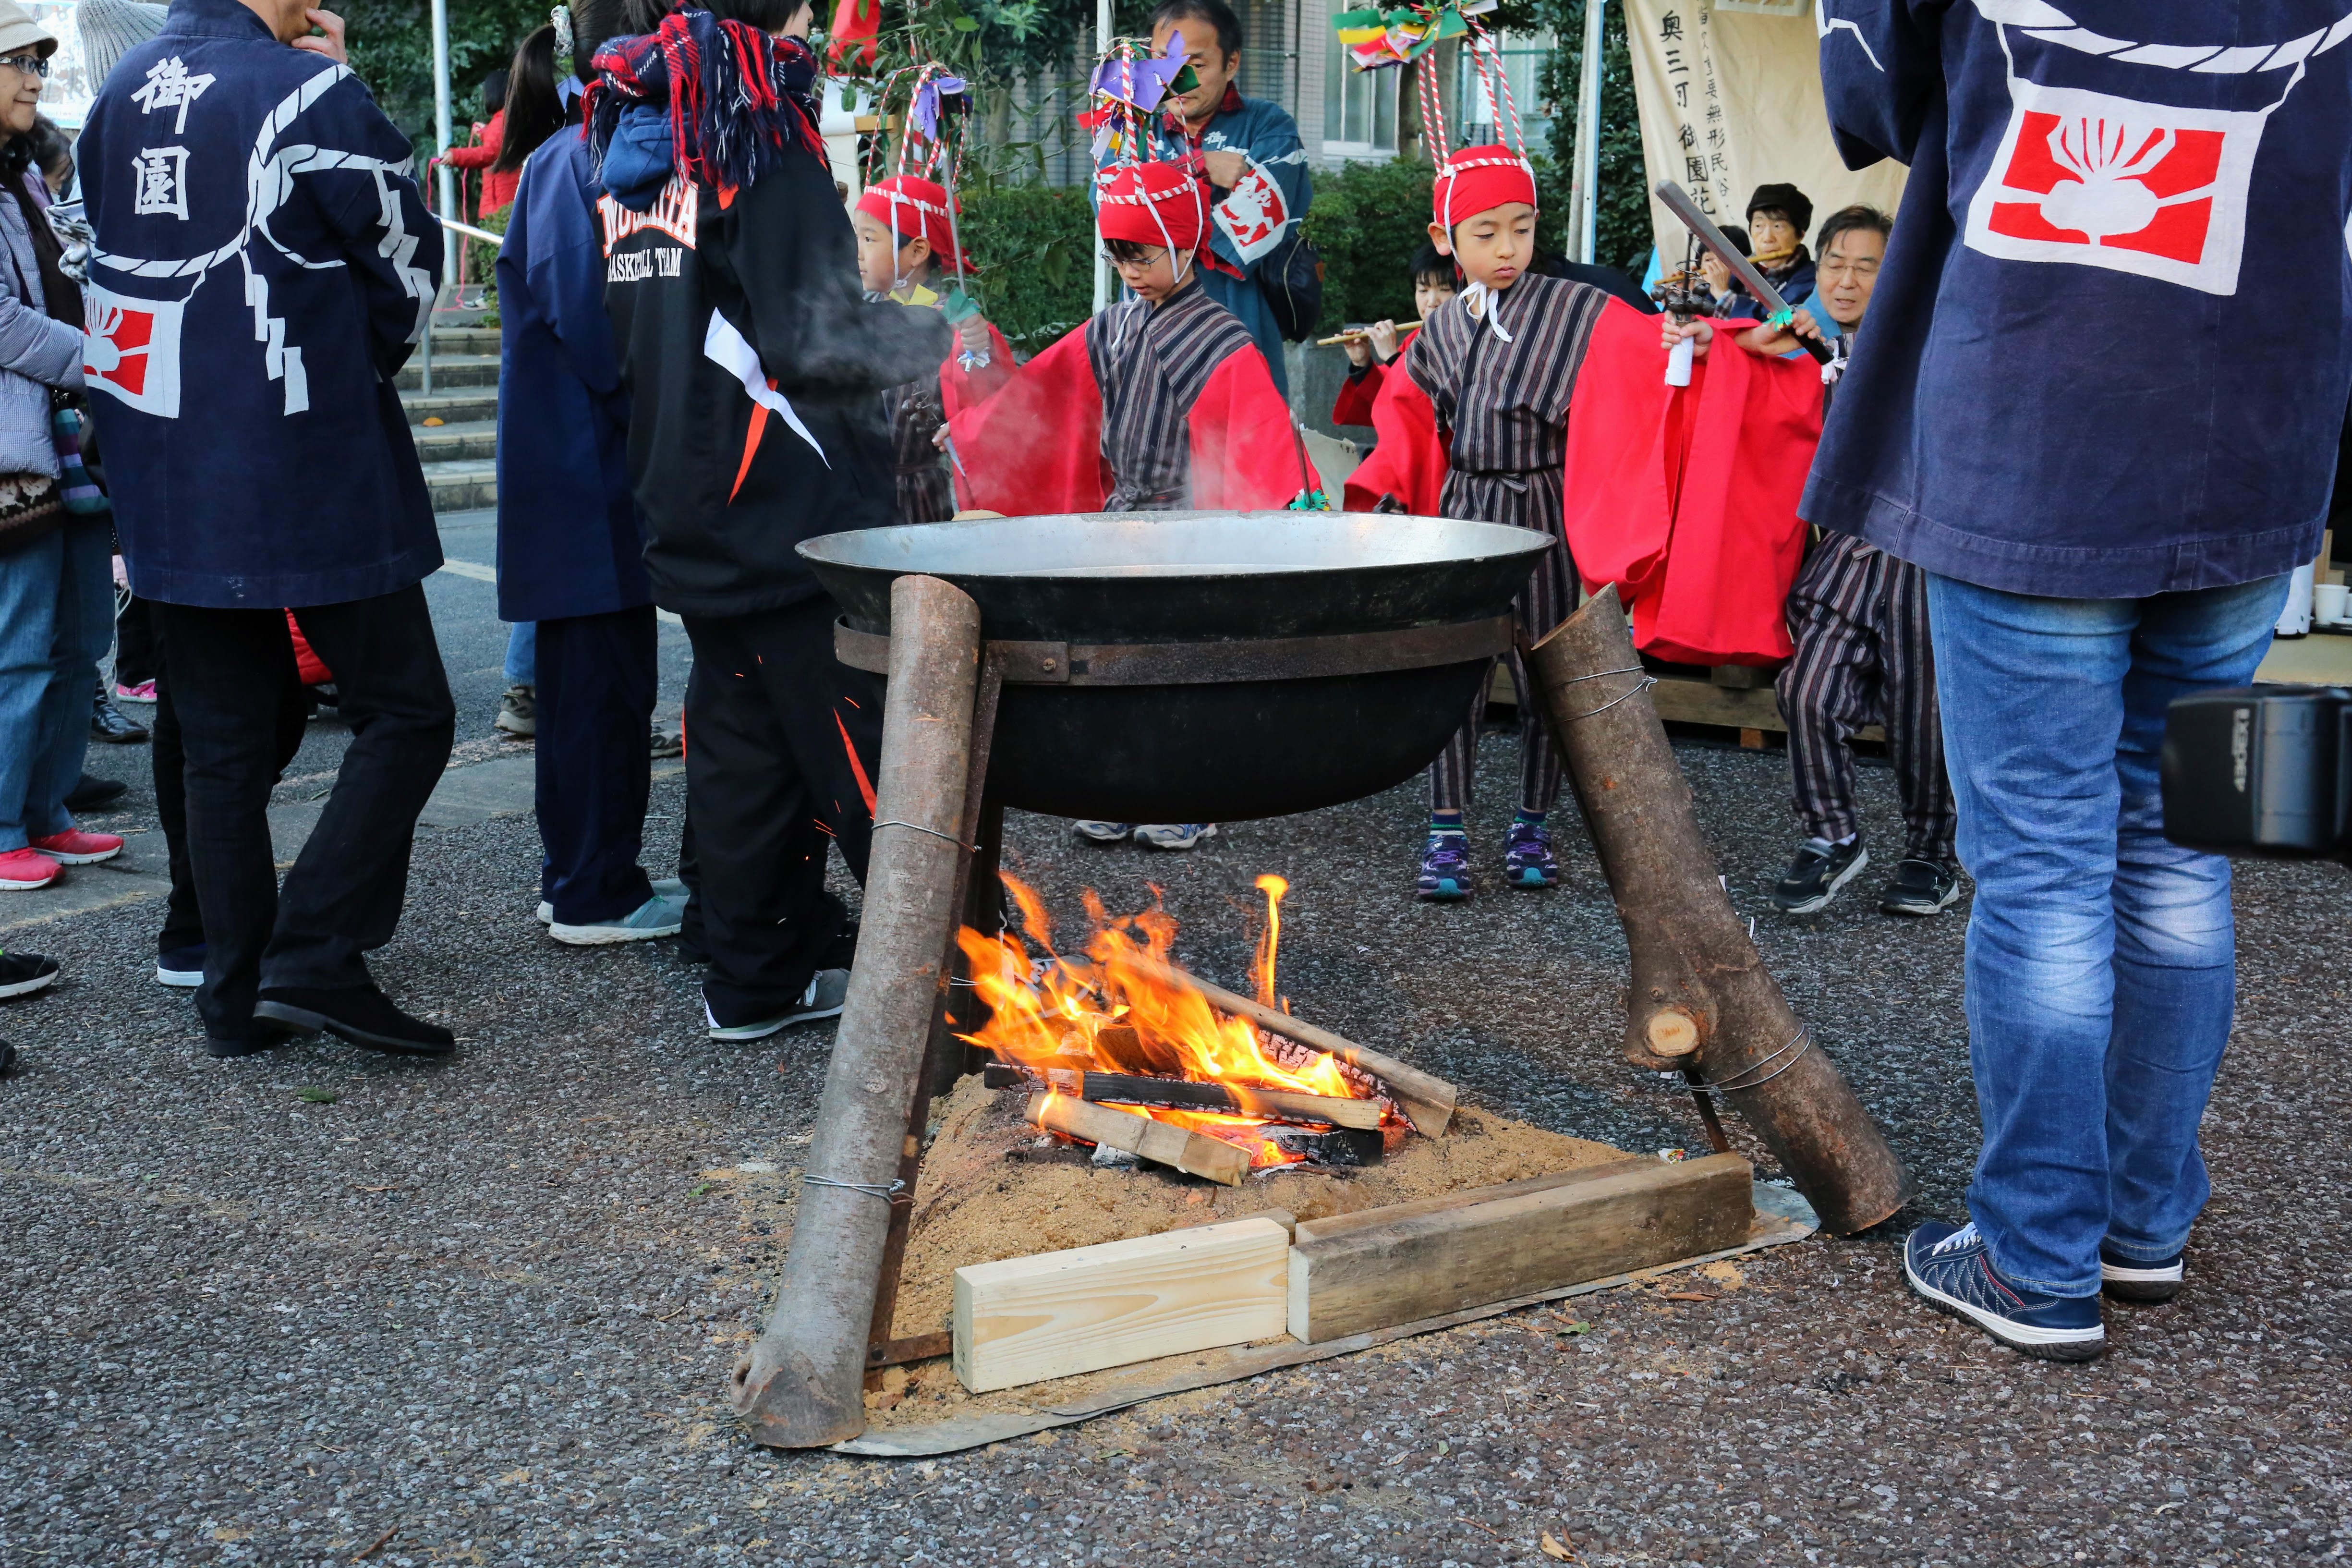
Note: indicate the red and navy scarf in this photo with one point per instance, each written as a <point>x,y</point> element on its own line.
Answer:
<point>737,98</point>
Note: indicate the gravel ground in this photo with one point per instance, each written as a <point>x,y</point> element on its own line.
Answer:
<point>319,1303</point>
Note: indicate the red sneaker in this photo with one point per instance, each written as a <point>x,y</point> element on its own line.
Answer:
<point>75,848</point>
<point>22,870</point>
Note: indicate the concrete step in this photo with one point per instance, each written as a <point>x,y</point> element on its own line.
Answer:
<point>468,440</point>
<point>450,371</point>
<point>462,484</point>
<point>459,405</point>
<point>465,340</point>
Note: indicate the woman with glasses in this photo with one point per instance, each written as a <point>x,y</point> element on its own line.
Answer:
<point>57,585</point>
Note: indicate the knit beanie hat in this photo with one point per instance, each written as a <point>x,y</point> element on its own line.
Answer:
<point>18,31</point>
<point>1787,199</point>
<point>112,29</point>
<point>1480,179</point>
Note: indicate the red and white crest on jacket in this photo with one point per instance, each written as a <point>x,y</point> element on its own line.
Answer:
<point>2145,188</point>
<point>131,347</point>
<point>1254,214</point>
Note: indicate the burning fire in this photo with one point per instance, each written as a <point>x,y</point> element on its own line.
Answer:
<point>1116,1010</point>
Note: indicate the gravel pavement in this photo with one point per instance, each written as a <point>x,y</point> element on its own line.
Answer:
<point>320,1305</point>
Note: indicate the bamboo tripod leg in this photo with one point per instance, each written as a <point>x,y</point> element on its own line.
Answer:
<point>1701,1000</point>
<point>801,1384</point>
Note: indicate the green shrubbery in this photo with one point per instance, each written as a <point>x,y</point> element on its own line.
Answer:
<point>1033,246</point>
<point>1368,219</point>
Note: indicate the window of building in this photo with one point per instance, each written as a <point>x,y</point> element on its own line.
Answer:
<point>1359,108</point>
<point>1523,61</point>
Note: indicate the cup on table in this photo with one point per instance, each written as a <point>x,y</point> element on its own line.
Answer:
<point>2329,604</point>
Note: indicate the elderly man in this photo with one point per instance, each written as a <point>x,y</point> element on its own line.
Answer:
<point>1258,183</point>
<point>245,333</point>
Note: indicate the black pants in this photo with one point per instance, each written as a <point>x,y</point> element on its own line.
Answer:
<point>782,746</point>
<point>344,895</point>
<point>136,655</point>
<point>184,922</point>
<point>597,676</point>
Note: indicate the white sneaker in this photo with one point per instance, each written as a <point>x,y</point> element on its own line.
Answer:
<point>668,887</point>
<point>827,993</point>
<point>657,917</point>
<point>1174,834</point>
<point>1102,832</point>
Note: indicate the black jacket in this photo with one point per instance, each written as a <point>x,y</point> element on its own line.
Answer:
<point>703,294</point>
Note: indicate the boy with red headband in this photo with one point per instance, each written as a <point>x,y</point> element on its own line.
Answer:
<point>1159,404</point>
<point>1499,366</point>
<point>905,236</point>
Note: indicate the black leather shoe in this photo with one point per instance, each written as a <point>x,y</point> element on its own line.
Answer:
<point>7,1056</point>
<point>110,723</point>
<point>94,793</point>
<point>226,1048</point>
<point>362,1014</point>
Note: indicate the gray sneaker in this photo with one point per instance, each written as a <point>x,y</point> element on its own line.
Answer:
<point>668,887</point>
<point>656,918</point>
<point>1102,832</point>
<point>1174,834</point>
<point>826,993</point>
<point>519,712</point>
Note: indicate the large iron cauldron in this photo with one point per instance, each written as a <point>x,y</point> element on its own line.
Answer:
<point>1206,667</point>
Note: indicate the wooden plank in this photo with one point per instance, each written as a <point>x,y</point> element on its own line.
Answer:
<point>1686,699</point>
<point>1189,1151</point>
<point>1426,1100</point>
<point>1190,1094</point>
<point>1060,1313</point>
<point>1366,1271</point>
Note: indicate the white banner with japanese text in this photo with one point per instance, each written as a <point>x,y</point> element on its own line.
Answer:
<point>1730,99</point>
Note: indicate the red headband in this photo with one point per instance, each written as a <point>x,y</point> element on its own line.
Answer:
<point>911,206</point>
<point>1480,179</point>
<point>1153,203</point>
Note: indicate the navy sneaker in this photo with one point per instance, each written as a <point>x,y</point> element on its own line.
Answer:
<point>1526,855</point>
<point>1814,876</point>
<point>1445,866</point>
<point>183,967</point>
<point>1951,1267</point>
<point>2136,1279</point>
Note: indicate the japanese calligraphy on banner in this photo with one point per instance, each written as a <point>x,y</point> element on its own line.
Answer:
<point>1730,99</point>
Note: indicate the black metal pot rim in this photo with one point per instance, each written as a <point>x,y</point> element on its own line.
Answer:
<point>1219,662</point>
<point>897,548</point>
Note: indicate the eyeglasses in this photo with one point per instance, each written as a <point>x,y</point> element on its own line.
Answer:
<point>29,64</point>
<point>1150,259</point>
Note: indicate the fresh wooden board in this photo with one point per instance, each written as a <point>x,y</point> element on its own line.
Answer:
<point>1141,1136</point>
<point>1354,1273</point>
<point>1055,1314</point>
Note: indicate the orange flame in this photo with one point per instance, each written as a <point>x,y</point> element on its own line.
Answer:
<point>1111,1012</point>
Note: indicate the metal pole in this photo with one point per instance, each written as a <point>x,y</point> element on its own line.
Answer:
<point>1585,178</point>
<point>1102,268</point>
<point>448,181</point>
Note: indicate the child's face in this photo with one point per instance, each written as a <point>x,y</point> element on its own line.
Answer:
<point>1770,232</point>
<point>1429,293</point>
<point>882,264</point>
<point>1151,280</point>
<point>1494,247</point>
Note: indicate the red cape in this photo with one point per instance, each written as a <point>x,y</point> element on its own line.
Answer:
<point>1686,498</point>
<point>1409,463</point>
<point>1357,393</point>
<point>1034,445</point>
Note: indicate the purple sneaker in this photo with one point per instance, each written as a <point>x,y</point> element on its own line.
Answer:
<point>1445,866</point>
<point>1526,855</point>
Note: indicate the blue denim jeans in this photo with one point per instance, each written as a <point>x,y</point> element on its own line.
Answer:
<point>56,619</point>
<point>2101,957</point>
<point>522,654</point>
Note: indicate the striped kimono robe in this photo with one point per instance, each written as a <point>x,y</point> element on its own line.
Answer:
<point>1502,408</point>
<point>1137,410</point>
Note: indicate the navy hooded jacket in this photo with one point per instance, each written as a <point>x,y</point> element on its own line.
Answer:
<point>2111,345</point>
<point>571,541</point>
<point>263,264</point>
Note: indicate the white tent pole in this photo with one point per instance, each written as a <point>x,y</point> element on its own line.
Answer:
<point>449,181</point>
<point>1586,176</point>
<point>1102,268</point>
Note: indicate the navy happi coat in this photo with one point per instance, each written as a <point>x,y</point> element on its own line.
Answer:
<point>2111,348</point>
<point>263,264</point>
